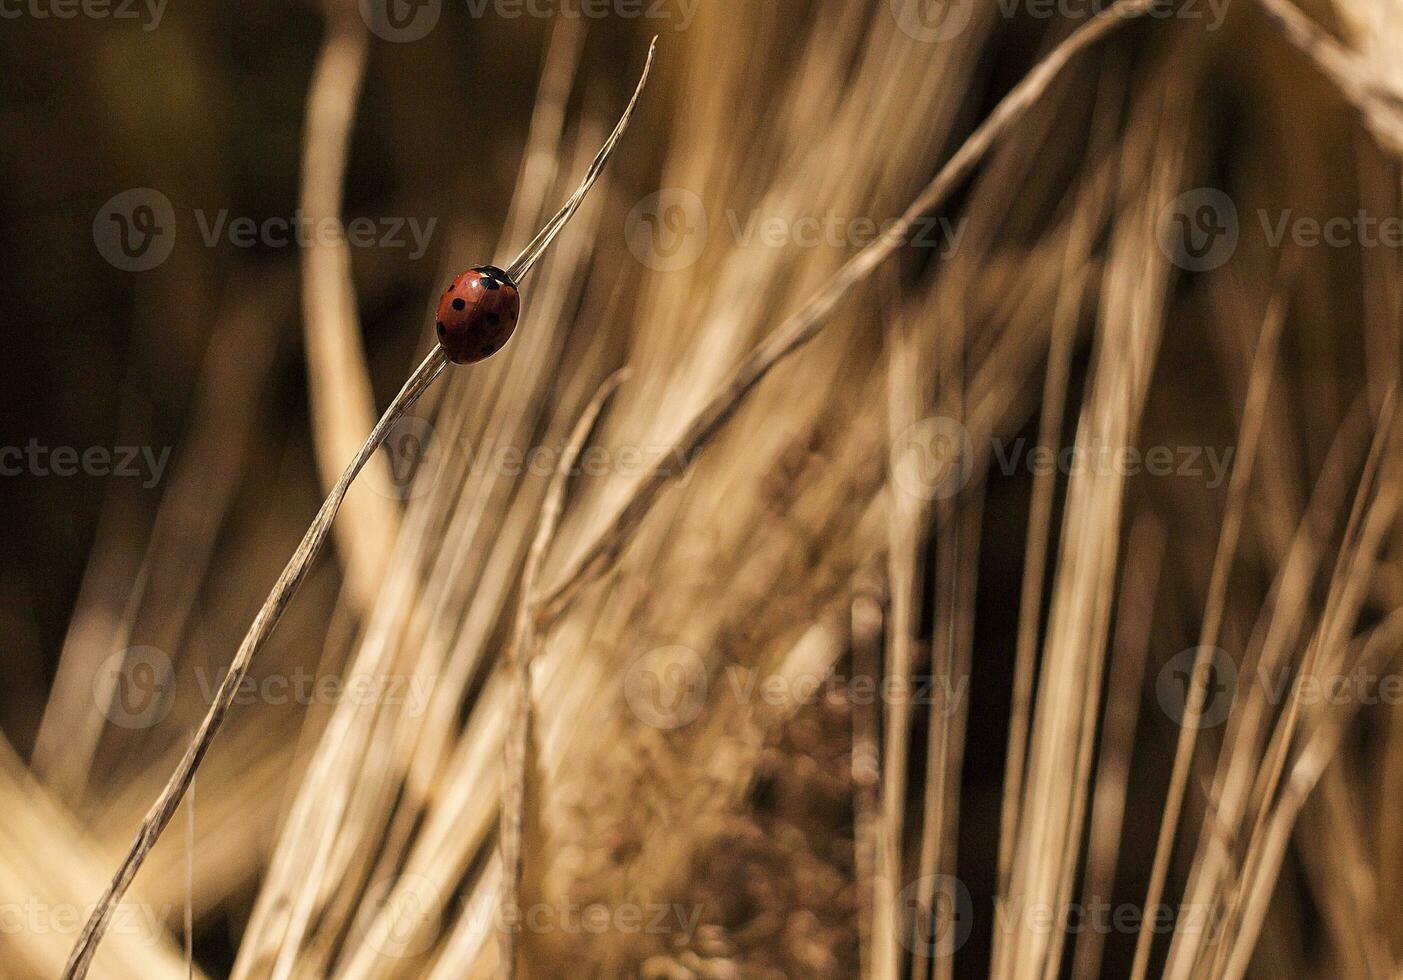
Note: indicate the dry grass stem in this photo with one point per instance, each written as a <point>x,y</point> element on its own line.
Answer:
<point>1249,438</point>
<point>524,649</point>
<point>161,812</point>
<point>599,555</point>
<point>993,565</point>
<point>339,388</point>
<point>295,571</point>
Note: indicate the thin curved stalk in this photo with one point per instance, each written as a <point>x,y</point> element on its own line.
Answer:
<point>159,816</point>
<point>161,812</point>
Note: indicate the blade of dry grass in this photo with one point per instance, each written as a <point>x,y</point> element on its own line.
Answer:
<point>1065,316</point>
<point>159,599</point>
<point>1131,320</point>
<point>598,556</point>
<point>241,792</point>
<point>866,643</point>
<point>298,566</point>
<point>1249,439</point>
<point>534,249</point>
<point>541,162</point>
<point>799,330</point>
<point>48,868</point>
<point>1358,79</point>
<point>1375,509</point>
<point>286,586</point>
<point>957,559</point>
<point>524,649</point>
<point>339,388</point>
<point>1134,620</point>
<point>907,514</point>
<point>1282,621</point>
<point>312,892</point>
<point>1381,647</point>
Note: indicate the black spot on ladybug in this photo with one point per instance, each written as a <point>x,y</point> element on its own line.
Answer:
<point>458,304</point>
<point>493,319</point>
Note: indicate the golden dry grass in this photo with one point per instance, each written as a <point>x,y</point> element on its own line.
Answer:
<point>641,650</point>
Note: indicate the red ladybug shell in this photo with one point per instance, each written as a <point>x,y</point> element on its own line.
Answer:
<point>477,314</point>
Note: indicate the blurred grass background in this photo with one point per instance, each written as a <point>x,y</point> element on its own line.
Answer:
<point>788,538</point>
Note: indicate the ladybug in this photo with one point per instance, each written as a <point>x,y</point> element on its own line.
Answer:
<point>477,314</point>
